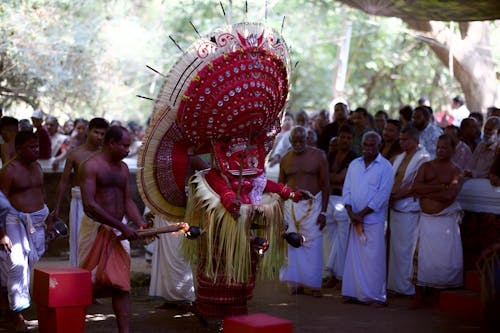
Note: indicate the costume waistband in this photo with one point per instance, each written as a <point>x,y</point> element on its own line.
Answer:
<point>30,220</point>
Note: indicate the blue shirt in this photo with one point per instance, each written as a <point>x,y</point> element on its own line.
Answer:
<point>369,186</point>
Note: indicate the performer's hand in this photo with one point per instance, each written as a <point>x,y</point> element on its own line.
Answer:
<point>5,243</point>
<point>129,233</point>
<point>232,205</point>
<point>321,221</point>
<point>301,195</point>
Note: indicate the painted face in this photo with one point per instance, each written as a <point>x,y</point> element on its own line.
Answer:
<point>235,158</point>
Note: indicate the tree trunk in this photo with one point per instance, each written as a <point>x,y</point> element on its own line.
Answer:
<point>473,64</point>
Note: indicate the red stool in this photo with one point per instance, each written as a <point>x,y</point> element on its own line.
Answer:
<point>62,296</point>
<point>257,323</point>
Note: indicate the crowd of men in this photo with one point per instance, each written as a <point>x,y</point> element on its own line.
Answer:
<point>382,198</point>
<point>392,218</point>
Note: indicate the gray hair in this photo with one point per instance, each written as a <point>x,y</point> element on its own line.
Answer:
<point>371,134</point>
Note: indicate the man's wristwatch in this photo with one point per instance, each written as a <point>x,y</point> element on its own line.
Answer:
<point>323,213</point>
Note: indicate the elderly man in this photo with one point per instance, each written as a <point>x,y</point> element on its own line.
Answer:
<point>404,212</point>
<point>437,185</point>
<point>484,154</point>
<point>366,192</point>
<point>305,168</point>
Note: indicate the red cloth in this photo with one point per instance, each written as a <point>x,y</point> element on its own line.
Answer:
<point>44,142</point>
<point>110,259</point>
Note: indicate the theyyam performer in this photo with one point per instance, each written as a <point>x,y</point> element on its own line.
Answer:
<point>224,96</point>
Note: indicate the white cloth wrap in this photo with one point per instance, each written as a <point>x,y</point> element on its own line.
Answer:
<point>171,275</point>
<point>27,234</point>
<point>440,258</point>
<point>305,263</point>
<point>365,267</point>
<point>337,231</point>
<point>75,216</point>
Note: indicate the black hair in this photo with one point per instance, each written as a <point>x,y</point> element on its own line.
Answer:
<point>395,122</point>
<point>406,112</point>
<point>412,132</point>
<point>346,129</point>
<point>382,112</point>
<point>114,133</point>
<point>8,122</point>
<point>23,137</point>
<point>98,123</point>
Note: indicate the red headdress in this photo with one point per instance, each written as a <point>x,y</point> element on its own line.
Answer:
<point>226,91</point>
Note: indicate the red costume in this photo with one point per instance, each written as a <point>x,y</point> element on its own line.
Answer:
<point>225,96</point>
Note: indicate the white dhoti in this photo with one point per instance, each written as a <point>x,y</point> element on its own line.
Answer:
<point>365,268</point>
<point>337,231</point>
<point>403,242</point>
<point>171,276</point>
<point>75,216</point>
<point>440,257</point>
<point>305,264</point>
<point>27,233</point>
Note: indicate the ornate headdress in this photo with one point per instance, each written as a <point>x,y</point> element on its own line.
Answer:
<point>228,87</point>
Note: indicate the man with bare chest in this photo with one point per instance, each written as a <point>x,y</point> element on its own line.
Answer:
<point>305,168</point>
<point>437,184</point>
<point>404,212</point>
<point>23,234</point>
<point>104,183</point>
<point>95,134</point>
<point>337,221</point>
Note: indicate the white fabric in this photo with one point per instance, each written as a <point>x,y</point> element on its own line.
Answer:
<point>404,228</point>
<point>283,144</point>
<point>365,267</point>
<point>27,234</point>
<point>57,140</point>
<point>440,261</point>
<point>337,232</point>
<point>369,187</point>
<point>171,276</point>
<point>75,216</point>
<point>404,236</point>
<point>459,114</point>
<point>477,195</point>
<point>305,263</point>
<point>410,204</point>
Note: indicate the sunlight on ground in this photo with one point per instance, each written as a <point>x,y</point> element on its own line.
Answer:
<point>99,317</point>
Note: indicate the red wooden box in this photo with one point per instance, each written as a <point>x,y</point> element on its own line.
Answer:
<point>62,296</point>
<point>257,323</point>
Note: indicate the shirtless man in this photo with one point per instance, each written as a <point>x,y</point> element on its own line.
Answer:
<point>96,129</point>
<point>437,185</point>
<point>104,183</point>
<point>23,235</point>
<point>8,130</point>
<point>337,227</point>
<point>305,168</point>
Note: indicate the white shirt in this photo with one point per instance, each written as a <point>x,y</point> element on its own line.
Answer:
<point>369,186</point>
<point>459,114</point>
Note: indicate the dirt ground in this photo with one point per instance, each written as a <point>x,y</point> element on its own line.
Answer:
<point>308,314</point>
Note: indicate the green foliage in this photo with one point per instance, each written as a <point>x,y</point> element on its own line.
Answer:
<point>88,57</point>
